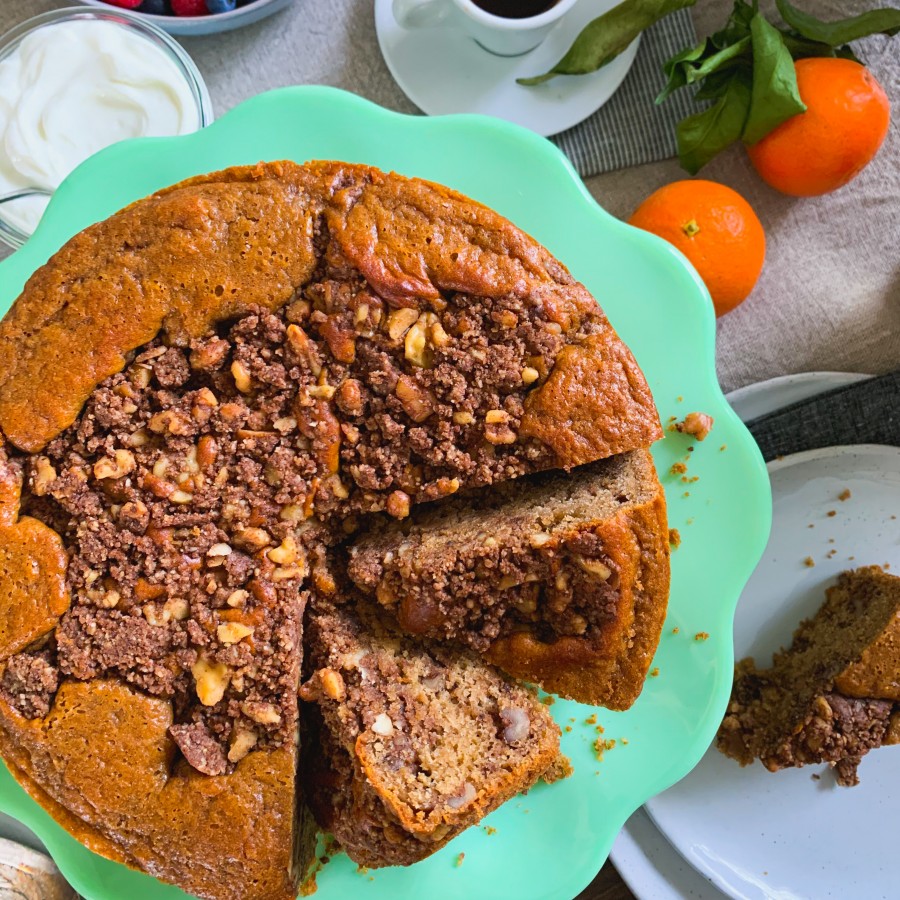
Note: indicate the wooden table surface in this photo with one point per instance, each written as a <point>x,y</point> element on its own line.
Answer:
<point>608,885</point>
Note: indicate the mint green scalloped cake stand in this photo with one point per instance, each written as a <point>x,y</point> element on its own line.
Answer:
<point>549,844</point>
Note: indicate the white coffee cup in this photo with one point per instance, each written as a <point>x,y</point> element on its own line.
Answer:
<point>497,34</point>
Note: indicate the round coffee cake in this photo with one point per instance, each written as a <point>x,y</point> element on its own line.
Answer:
<point>205,401</point>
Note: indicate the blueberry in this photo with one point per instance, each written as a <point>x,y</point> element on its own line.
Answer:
<point>156,7</point>
<point>220,6</point>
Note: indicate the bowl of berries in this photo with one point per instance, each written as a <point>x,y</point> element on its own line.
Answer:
<point>194,17</point>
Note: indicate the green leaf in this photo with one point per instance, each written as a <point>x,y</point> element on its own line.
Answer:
<point>714,85</point>
<point>876,21</point>
<point>706,134</point>
<point>675,69</point>
<point>603,39</point>
<point>687,71</point>
<point>738,24</point>
<point>775,97</point>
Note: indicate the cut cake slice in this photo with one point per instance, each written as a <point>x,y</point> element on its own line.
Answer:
<point>410,742</point>
<point>561,580</point>
<point>834,694</point>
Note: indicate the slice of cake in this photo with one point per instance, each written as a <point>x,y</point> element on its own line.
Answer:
<point>559,580</point>
<point>834,694</point>
<point>411,742</point>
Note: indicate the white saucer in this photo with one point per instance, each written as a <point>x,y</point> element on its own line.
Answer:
<point>442,70</point>
<point>753,834</point>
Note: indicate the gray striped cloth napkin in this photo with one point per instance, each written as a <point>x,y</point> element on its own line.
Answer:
<point>631,129</point>
<point>864,413</point>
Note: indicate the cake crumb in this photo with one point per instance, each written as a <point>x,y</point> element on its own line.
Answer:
<point>697,424</point>
<point>309,887</point>
<point>461,856</point>
<point>810,525</point>
<point>591,719</point>
<point>816,776</point>
<point>678,468</point>
<point>548,700</point>
<point>674,538</point>
<point>675,630</point>
<point>689,480</point>
<point>567,729</point>
<point>654,672</point>
<point>601,745</point>
<point>844,494</point>
<point>362,870</point>
<point>489,830</point>
<point>701,636</point>
<point>680,399</point>
<point>625,742</point>
<point>723,448</point>
<point>686,494</point>
<point>809,562</point>
<point>690,521</point>
<point>671,419</point>
<point>831,512</point>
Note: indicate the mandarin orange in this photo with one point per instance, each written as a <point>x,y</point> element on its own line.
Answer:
<point>820,150</point>
<point>716,229</point>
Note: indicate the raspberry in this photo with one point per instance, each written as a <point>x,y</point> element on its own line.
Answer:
<point>189,8</point>
<point>125,4</point>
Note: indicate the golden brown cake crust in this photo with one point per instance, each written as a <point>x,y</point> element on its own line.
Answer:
<point>101,763</point>
<point>209,249</point>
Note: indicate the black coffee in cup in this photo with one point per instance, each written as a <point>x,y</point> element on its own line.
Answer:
<point>515,9</point>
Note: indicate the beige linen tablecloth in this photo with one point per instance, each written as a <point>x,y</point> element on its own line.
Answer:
<point>829,297</point>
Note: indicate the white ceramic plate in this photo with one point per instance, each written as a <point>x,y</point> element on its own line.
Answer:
<point>197,25</point>
<point>442,70</point>
<point>651,866</point>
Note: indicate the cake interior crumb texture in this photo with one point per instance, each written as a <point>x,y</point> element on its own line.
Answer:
<point>413,742</point>
<point>834,694</point>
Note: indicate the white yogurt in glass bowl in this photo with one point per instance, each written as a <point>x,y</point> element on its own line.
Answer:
<point>73,82</point>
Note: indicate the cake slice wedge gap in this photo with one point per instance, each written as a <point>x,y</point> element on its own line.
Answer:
<point>561,580</point>
<point>834,694</point>
<point>410,742</point>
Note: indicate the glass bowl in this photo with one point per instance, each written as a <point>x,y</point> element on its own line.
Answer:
<point>10,233</point>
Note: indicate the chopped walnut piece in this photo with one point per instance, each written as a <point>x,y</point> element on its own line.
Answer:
<point>116,467</point>
<point>211,680</point>
<point>399,321</point>
<point>253,538</point>
<point>242,380</point>
<point>418,349</point>
<point>44,476</point>
<point>595,567</point>
<point>285,553</point>
<point>264,713</point>
<point>233,632</point>
<point>242,742</point>
<point>383,725</point>
<point>417,402</point>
